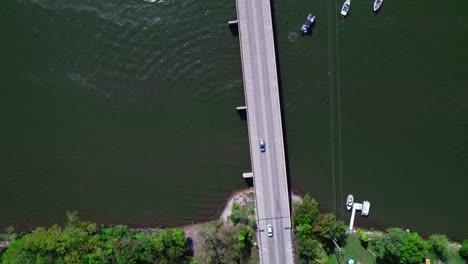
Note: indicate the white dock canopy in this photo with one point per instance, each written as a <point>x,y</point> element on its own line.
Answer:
<point>365,208</point>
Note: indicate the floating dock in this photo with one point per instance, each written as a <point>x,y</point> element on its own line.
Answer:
<point>364,207</point>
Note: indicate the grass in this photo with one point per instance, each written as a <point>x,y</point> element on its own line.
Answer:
<point>352,249</point>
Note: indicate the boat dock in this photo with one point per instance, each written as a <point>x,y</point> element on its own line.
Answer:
<point>363,207</point>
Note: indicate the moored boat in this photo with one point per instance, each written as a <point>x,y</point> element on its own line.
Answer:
<point>345,8</point>
<point>377,5</point>
<point>308,23</point>
<point>349,202</point>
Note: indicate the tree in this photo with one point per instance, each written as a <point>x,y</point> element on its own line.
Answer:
<point>464,250</point>
<point>305,212</point>
<point>303,231</point>
<point>170,245</point>
<point>84,242</point>
<point>15,253</point>
<point>400,247</point>
<point>211,246</point>
<point>238,243</point>
<point>327,227</point>
<point>439,245</point>
<point>311,251</point>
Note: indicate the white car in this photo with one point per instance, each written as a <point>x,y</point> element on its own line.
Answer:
<point>270,230</point>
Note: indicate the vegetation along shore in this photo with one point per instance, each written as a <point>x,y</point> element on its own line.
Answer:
<point>318,238</point>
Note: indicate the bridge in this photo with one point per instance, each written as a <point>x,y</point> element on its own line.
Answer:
<point>264,122</point>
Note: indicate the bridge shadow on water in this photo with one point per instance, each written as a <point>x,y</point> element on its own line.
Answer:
<point>242,114</point>
<point>249,182</point>
<point>234,28</point>
<point>281,98</point>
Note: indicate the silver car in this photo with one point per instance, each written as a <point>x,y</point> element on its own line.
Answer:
<point>262,145</point>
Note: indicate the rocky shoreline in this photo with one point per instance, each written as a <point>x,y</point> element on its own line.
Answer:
<point>241,197</point>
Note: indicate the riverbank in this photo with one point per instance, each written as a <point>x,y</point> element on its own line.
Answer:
<point>243,198</point>
<point>231,237</point>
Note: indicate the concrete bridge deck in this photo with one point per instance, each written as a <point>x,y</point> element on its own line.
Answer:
<point>264,122</point>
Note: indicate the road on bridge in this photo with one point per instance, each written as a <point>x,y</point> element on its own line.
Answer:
<point>264,122</point>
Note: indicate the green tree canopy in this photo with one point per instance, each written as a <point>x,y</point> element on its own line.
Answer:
<point>170,245</point>
<point>303,231</point>
<point>363,238</point>
<point>224,245</point>
<point>84,242</point>
<point>311,251</point>
<point>464,250</point>
<point>439,245</point>
<point>211,246</point>
<point>327,227</point>
<point>400,247</point>
<point>304,212</point>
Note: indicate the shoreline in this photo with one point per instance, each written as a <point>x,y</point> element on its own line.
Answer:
<point>242,197</point>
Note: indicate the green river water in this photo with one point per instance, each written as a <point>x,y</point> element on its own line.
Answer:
<point>124,110</point>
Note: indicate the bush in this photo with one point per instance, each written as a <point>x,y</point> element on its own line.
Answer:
<point>464,250</point>
<point>238,216</point>
<point>363,238</point>
<point>216,223</point>
<point>252,211</point>
<point>253,223</point>
<point>242,215</point>
<point>439,246</point>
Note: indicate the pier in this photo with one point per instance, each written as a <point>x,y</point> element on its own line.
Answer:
<point>363,207</point>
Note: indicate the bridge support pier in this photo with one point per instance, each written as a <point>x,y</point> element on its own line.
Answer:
<point>247,175</point>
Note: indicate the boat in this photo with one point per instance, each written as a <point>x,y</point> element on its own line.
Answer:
<point>345,8</point>
<point>349,202</point>
<point>365,208</point>
<point>377,5</point>
<point>308,23</point>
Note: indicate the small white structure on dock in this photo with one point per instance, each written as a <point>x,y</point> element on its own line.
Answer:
<point>363,207</point>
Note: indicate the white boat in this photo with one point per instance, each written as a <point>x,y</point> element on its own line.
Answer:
<point>365,208</point>
<point>349,202</point>
<point>345,8</point>
<point>377,5</point>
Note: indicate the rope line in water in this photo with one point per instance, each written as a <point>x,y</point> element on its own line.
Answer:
<point>335,114</point>
<point>338,91</point>
<point>332,104</point>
